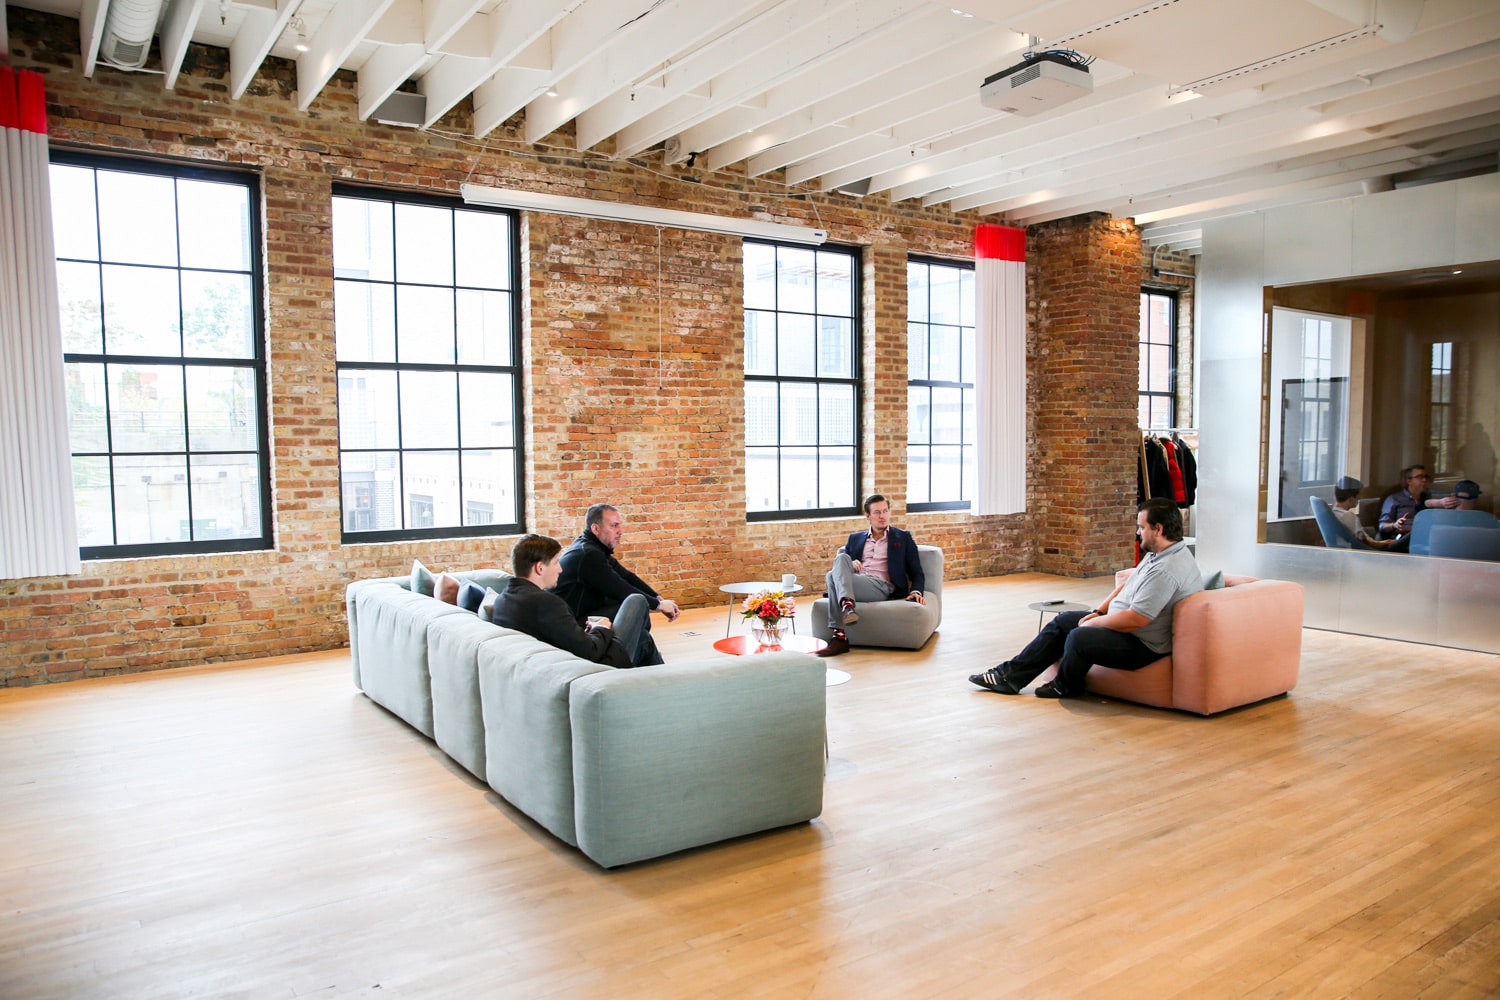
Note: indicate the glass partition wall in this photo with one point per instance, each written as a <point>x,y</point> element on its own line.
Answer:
<point>1368,376</point>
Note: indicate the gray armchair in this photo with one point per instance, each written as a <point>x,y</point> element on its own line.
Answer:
<point>900,624</point>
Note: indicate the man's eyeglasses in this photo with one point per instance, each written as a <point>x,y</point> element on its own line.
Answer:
<point>1421,475</point>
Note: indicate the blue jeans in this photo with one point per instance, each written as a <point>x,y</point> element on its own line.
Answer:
<point>631,626</point>
<point>1074,649</point>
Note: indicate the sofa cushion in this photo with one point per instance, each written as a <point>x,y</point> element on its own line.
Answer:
<point>470,596</point>
<point>487,605</point>
<point>421,578</point>
<point>496,578</point>
<point>528,734</point>
<point>680,755</point>
<point>445,588</point>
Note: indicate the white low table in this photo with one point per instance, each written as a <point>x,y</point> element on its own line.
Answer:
<point>748,587</point>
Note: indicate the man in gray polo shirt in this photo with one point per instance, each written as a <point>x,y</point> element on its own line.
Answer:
<point>1134,628</point>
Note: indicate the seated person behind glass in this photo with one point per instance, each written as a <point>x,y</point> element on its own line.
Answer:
<point>1346,501</point>
<point>1400,508</point>
<point>1466,492</point>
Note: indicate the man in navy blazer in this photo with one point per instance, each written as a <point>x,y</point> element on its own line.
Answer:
<point>880,564</point>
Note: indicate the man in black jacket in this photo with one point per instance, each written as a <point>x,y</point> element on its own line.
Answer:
<point>527,606</point>
<point>594,583</point>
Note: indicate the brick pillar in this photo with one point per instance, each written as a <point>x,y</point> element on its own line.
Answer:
<point>1083,325</point>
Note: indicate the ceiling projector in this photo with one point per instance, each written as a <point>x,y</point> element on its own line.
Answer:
<point>1038,83</point>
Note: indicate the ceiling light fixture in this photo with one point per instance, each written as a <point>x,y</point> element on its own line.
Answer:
<point>556,204</point>
<point>300,26</point>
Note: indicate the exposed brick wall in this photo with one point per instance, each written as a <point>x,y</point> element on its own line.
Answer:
<point>1083,327</point>
<point>633,389</point>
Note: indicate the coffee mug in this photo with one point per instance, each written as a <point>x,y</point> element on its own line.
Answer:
<point>789,579</point>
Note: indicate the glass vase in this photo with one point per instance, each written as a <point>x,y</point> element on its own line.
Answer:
<point>768,633</point>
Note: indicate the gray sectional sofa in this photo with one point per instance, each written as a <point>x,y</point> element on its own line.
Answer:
<point>622,764</point>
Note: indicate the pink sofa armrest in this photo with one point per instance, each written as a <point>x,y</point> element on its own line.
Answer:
<point>1234,646</point>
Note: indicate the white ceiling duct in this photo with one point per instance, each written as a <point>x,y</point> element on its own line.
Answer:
<point>128,28</point>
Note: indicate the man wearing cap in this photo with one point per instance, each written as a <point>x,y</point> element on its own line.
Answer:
<point>1466,492</point>
<point>1400,508</point>
<point>1345,506</point>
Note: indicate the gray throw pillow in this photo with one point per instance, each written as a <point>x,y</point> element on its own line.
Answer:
<point>487,606</point>
<point>421,578</point>
<point>1214,580</point>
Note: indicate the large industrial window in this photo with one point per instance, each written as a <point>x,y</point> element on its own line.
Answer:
<point>801,381</point>
<point>1158,343</point>
<point>1440,409</point>
<point>159,285</point>
<point>940,385</point>
<point>427,322</point>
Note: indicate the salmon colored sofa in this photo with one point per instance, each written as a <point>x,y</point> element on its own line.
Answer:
<point>1230,647</point>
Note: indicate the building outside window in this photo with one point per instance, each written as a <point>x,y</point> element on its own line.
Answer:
<point>427,322</point>
<point>801,381</point>
<point>1440,409</point>
<point>1158,344</point>
<point>940,472</point>
<point>159,286</point>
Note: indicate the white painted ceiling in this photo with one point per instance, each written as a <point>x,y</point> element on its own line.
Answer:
<point>1292,100</point>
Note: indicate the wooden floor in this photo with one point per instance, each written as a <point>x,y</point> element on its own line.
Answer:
<point>263,830</point>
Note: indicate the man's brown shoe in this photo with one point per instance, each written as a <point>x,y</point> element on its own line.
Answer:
<point>837,646</point>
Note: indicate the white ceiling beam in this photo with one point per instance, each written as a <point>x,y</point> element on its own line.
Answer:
<point>1341,169</point>
<point>798,53</point>
<point>927,176</point>
<point>994,135</point>
<point>582,36</point>
<point>384,72</point>
<point>886,102</point>
<point>259,29</point>
<point>901,42</point>
<point>176,34</point>
<point>512,28</point>
<point>687,78</point>
<point>1100,148</point>
<point>671,28</point>
<point>90,33</point>
<point>333,42</point>
<point>1415,134</point>
<point>1199,214</point>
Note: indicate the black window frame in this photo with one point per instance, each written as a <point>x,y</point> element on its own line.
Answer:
<point>967,434</point>
<point>1144,341</point>
<point>515,370</point>
<point>256,364</point>
<point>855,380</point>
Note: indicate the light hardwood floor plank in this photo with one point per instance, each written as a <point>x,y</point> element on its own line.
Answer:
<point>263,830</point>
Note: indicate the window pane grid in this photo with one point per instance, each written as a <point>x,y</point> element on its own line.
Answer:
<point>159,297</point>
<point>940,384</point>
<point>429,386</point>
<point>1158,360</point>
<point>801,380</point>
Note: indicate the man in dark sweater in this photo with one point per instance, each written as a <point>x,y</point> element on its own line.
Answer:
<point>594,583</point>
<point>528,606</point>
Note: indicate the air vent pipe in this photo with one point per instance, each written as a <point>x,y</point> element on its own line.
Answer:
<point>128,29</point>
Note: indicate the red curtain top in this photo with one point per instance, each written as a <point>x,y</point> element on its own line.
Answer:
<point>23,102</point>
<point>999,243</point>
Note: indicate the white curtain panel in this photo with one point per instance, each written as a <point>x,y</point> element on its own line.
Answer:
<point>1000,382</point>
<point>38,532</point>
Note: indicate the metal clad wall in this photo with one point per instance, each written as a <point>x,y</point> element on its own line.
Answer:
<point>1440,601</point>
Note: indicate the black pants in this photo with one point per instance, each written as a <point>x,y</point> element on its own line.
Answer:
<point>1074,650</point>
